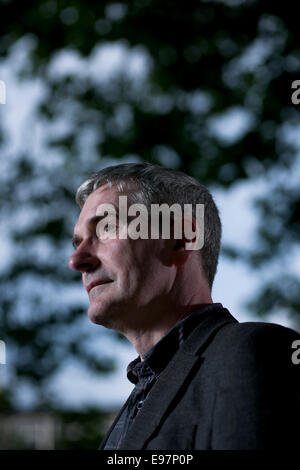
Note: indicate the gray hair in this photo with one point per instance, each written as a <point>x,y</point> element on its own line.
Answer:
<point>149,184</point>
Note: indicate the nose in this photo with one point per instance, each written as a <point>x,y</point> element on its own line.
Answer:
<point>83,259</point>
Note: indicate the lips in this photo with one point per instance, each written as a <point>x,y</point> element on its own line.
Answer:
<point>98,282</point>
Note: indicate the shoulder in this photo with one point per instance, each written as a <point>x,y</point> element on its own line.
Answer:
<point>251,335</point>
<point>255,347</point>
<point>257,386</point>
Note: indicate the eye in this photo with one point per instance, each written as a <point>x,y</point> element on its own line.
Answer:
<point>107,230</point>
<point>109,227</point>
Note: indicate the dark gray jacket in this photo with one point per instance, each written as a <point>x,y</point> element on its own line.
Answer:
<point>230,386</point>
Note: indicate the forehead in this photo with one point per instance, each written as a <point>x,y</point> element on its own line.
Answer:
<point>104,194</point>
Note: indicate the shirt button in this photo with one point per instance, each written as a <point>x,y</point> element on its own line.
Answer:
<point>139,405</point>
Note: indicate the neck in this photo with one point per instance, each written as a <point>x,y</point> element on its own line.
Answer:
<point>144,338</point>
<point>153,321</point>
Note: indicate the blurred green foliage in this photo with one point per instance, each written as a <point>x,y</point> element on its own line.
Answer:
<point>180,69</point>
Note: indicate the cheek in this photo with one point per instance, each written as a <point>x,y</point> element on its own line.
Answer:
<point>120,260</point>
<point>133,263</point>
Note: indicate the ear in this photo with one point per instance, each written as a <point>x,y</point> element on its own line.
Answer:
<point>184,246</point>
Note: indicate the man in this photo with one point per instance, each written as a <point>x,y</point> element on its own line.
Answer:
<point>202,379</point>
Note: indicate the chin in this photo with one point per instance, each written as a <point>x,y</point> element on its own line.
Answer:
<point>104,316</point>
<point>98,316</point>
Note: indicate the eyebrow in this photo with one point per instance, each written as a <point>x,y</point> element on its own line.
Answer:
<point>90,223</point>
<point>76,240</point>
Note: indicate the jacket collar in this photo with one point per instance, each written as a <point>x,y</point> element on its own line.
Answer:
<point>156,359</point>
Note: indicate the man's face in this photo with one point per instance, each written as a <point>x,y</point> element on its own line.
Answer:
<point>136,275</point>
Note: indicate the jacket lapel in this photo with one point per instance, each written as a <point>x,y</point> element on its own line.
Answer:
<point>102,445</point>
<point>165,390</point>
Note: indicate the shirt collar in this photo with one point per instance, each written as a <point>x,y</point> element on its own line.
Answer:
<point>156,358</point>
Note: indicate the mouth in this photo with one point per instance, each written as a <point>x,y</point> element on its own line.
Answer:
<point>97,283</point>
